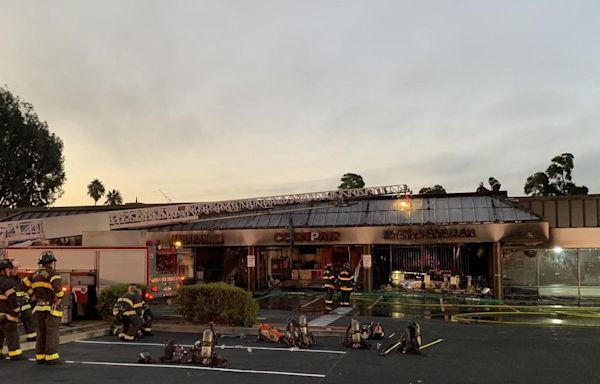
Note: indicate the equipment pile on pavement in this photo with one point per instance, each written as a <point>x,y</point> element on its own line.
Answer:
<point>296,334</point>
<point>202,352</point>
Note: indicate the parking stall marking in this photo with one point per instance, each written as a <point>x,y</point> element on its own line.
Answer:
<point>375,303</point>
<point>241,347</point>
<point>195,367</point>
<point>307,304</point>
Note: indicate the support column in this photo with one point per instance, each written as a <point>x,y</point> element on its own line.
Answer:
<point>497,270</point>
<point>368,272</point>
<point>251,270</point>
<point>258,280</point>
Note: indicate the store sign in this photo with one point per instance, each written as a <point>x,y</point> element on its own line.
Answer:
<point>251,261</point>
<point>198,239</point>
<point>366,260</point>
<point>308,236</point>
<point>429,233</point>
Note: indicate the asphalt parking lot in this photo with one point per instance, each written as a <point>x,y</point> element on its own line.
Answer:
<point>469,354</point>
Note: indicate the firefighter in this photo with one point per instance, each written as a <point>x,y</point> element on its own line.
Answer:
<point>329,285</point>
<point>346,281</point>
<point>47,290</point>
<point>128,310</point>
<point>9,313</point>
<point>23,289</point>
<point>495,184</point>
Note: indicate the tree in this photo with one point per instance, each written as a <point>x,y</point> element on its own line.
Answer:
<point>557,180</point>
<point>351,181</point>
<point>114,198</point>
<point>31,161</point>
<point>435,190</point>
<point>95,190</point>
<point>538,184</point>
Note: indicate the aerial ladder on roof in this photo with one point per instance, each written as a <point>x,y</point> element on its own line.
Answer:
<point>16,231</point>
<point>181,213</point>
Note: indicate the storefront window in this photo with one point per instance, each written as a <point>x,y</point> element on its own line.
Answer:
<point>558,267</point>
<point>520,268</point>
<point>589,266</point>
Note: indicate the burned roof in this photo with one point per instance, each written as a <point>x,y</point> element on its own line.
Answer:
<point>442,210</point>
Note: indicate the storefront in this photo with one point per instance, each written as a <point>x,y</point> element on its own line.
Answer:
<point>531,246</point>
<point>423,242</point>
<point>568,265</point>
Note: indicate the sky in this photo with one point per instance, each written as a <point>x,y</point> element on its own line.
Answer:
<point>213,100</point>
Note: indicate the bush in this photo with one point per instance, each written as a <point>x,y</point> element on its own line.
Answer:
<point>217,302</point>
<point>108,297</point>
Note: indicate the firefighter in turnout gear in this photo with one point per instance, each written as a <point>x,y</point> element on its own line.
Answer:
<point>346,281</point>
<point>9,313</point>
<point>329,285</point>
<point>128,309</point>
<point>24,290</point>
<point>48,293</point>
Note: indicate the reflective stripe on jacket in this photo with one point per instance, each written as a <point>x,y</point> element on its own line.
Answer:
<point>130,304</point>
<point>47,288</point>
<point>328,279</point>
<point>346,280</point>
<point>9,304</point>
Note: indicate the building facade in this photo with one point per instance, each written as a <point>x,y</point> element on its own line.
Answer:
<point>531,246</point>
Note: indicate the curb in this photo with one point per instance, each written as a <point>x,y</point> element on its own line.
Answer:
<point>68,337</point>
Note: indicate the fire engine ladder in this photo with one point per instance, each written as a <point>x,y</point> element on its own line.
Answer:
<point>16,231</point>
<point>180,213</point>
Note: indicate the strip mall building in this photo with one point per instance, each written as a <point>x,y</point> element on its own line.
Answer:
<point>532,246</point>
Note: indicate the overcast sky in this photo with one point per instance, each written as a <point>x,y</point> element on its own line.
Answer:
<point>211,100</point>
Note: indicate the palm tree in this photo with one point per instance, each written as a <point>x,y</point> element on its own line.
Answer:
<point>114,198</point>
<point>95,190</point>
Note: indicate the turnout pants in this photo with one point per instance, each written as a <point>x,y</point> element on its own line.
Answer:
<point>131,326</point>
<point>345,301</point>
<point>9,330</point>
<point>28,323</point>
<point>329,295</point>
<point>46,347</point>
<point>147,318</point>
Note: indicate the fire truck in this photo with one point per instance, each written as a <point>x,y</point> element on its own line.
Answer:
<point>86,271</point>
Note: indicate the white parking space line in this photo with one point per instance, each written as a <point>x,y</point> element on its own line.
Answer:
<point>244,347</point>
<point>307,304</point>
<point>196,367</point>
<point>375,303</point>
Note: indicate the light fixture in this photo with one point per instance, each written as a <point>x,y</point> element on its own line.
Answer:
<point>557,249</point>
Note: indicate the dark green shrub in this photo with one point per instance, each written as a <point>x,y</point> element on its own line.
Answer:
<point>217,302</point>
<point>108,297</point>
